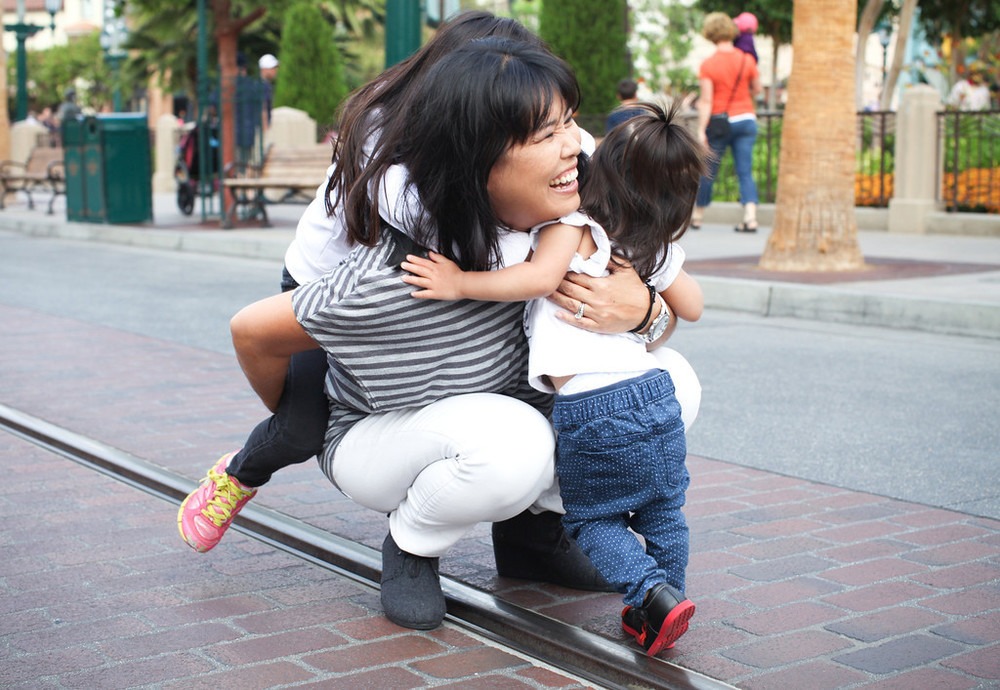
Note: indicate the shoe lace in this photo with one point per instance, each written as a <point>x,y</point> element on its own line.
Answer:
<point>225,496</point>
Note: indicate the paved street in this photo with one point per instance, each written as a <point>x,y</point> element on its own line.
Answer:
<point>903,414</point>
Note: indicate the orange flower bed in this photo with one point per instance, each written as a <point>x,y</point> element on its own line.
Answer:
<point>977,188</point>
<point>870,190</point>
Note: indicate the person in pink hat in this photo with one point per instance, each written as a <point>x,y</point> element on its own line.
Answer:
<point>747,24</point>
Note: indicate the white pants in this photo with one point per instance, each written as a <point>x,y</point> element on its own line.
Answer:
<point>441,469</point>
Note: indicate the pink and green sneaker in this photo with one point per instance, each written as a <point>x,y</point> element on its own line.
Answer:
<point>207,512</point>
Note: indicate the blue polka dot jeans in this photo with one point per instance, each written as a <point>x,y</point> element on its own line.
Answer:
<point>620,458</point>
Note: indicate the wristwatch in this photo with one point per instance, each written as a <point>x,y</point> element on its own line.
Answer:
<point>660,323</point>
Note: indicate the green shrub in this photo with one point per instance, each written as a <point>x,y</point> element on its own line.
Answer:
<point>311,76</point>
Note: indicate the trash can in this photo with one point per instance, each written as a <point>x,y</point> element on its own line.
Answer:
<point>109,169</point>
<point>72,142</point>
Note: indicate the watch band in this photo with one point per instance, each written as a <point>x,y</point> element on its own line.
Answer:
<point>649,311</point>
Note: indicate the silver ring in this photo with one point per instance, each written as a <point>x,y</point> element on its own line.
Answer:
<point>579,312</point>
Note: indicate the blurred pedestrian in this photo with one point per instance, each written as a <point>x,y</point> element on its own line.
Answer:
<point>248,110</point>
<point>971,92</point>
<point>268,65</point>
<point>68,109</point>
<point>627,89</point>
<point>728,80</point>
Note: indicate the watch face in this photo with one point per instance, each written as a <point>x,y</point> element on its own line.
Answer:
<point>659,325</point>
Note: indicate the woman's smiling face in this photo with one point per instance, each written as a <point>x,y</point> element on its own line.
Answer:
<point>536,180</point>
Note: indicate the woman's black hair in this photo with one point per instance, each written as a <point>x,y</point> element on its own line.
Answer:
<point>366,114</point>
<point>642,182</point>
<point>472,106</point>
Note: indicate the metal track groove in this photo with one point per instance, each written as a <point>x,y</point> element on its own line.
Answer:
<point>594,658</point>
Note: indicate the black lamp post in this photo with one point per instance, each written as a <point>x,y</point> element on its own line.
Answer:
<point>53,6</point>
<point>112,38</point>
<point>23,31</point>
<point>883,39</point>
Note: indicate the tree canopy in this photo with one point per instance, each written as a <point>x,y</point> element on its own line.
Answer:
<point>52,70</point>
<point>590,36</point>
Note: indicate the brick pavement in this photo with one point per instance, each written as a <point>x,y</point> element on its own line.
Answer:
<point>99,592</point>
<point>796,582</point>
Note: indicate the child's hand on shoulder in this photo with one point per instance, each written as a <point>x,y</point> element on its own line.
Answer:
<point>438,277</point>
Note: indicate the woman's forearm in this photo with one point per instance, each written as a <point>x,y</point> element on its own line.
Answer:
<point>265,336</point>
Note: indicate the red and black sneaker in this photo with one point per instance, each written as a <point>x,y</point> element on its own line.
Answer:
<point>659,622</point>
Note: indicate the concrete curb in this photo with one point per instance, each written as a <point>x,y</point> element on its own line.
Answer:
<point>840,305</point>
<point>226,243</point>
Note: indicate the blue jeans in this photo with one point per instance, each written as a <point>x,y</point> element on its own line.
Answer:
<point>620,457</point>
<point>296,431</point>
<point>742,135</point>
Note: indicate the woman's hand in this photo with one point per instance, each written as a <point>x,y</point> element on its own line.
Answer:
<point>613,304</point>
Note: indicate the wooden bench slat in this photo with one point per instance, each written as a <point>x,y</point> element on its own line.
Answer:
<point>42,170</point>
<point>297,169</point>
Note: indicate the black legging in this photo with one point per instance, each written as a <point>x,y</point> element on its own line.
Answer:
<point>296,431</point>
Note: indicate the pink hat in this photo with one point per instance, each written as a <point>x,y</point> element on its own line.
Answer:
<point>746,23</point>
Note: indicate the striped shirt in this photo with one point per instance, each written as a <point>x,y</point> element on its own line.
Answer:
<point>389,350</point>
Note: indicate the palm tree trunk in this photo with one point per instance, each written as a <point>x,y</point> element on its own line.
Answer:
<point>815,228</point>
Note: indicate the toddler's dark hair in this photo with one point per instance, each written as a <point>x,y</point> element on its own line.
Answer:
<point>641,184</point>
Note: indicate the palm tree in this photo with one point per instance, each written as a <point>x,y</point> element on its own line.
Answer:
<point>814,224</point>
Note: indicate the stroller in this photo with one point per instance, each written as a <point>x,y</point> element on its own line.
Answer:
<point>188,172</point>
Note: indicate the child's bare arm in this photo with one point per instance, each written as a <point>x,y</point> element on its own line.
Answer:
<point>684,297</point>
<point>684,300</point>
<point>440,278</point>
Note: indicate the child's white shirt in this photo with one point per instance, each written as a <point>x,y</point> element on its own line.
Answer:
<point>593,359</point>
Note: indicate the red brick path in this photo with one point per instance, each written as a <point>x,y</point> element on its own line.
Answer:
<point>797,584</point>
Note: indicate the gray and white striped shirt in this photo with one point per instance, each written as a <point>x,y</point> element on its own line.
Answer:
<point>389,350</point>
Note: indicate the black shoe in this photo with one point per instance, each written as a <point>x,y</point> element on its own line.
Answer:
<point>658,623</point>
<point>411,588</point>
<point>746,227</point>
<point>536,547</point>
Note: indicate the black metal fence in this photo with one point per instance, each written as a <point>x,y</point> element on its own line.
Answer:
<point>969,148</point>
<point>874,160</point>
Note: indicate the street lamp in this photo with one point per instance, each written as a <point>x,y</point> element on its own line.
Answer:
<point>53,6</point>
<point>23,31</point>
<point>112,39</point>
<point>883,39</point>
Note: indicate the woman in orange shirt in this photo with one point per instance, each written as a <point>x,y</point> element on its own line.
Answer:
<point>728,80</point>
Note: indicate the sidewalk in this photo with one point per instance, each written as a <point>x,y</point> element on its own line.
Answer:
<point>935,283</point>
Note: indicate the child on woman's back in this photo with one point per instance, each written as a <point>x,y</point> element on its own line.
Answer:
<point>621,447</point>
<point>746,23</point>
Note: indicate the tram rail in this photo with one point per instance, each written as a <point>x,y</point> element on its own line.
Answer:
<point>597,660</point>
